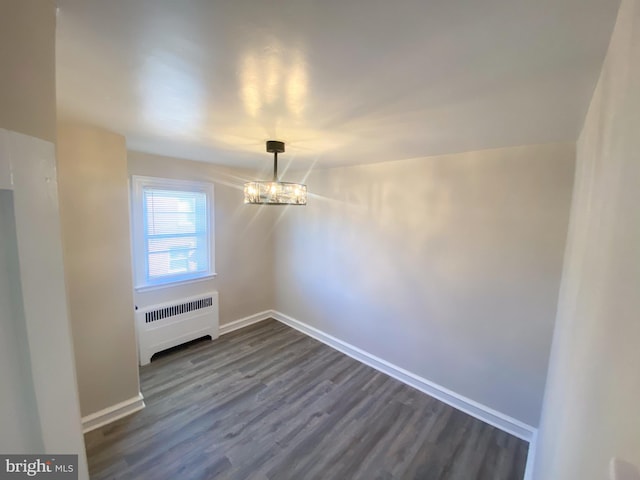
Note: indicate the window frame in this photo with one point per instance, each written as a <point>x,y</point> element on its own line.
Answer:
<point>140,260</point>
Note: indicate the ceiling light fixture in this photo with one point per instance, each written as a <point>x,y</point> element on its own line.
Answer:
<point>275,192</point>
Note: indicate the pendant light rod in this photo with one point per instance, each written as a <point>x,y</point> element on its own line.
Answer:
<point>275,166</point>
<point>275,147</point>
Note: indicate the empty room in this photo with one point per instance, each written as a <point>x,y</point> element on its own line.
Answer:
<point>307,239</point>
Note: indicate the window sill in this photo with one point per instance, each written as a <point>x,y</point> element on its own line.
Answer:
<point>151,288</point>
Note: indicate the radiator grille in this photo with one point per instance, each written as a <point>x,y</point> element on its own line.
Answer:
<point>179,309</point>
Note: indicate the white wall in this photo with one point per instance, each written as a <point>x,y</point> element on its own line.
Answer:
<point>592,402</point>
<point>44,311</point>
<point>21,430</point>
<point>243,239</point>
<point>446,266</point>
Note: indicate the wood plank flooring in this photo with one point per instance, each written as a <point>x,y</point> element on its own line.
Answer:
<point>268,402</point>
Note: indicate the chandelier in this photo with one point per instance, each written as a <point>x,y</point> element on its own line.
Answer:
<point>275,192</point>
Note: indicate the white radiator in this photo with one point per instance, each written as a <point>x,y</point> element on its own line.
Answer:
<point>164,326</point>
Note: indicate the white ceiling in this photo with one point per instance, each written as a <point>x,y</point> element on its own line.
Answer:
<point>340,81</point>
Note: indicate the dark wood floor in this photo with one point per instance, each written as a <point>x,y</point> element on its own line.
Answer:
<point>267,402</point>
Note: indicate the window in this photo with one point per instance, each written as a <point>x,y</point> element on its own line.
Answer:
<point>172,231</point>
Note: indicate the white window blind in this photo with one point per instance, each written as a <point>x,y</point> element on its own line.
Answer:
<point>173,240</point>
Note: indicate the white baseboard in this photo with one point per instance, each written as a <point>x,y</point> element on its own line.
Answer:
<point>531,457</point>
<point>471,407</point>
<point>245,322</point>
<point>112,413</point>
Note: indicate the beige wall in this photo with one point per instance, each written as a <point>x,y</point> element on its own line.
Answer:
<point>446,266</point>
<point>592,402</point>
<point>27,58</point>
<point>39,407</point>
<point>94,209</point>
<point>243,239</point>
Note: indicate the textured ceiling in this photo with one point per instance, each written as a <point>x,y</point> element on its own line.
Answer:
<point>341,82</point>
